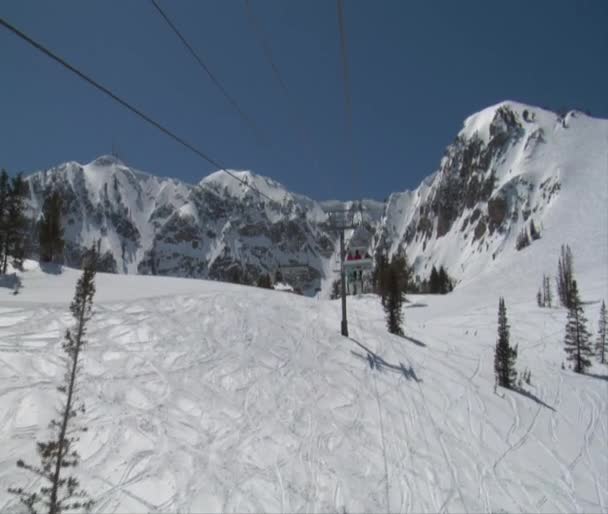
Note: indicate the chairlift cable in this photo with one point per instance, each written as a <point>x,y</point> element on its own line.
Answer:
<point>247,119</point>
<point>266,48</point>
<point>347,86</point>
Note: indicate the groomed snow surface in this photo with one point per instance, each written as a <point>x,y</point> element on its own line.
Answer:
<point>204,396</point>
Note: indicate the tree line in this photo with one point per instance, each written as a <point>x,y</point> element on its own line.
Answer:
<point>17,233</point>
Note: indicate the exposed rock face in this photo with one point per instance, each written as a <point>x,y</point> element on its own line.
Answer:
<point>497,210</point>
<point>466,180</point>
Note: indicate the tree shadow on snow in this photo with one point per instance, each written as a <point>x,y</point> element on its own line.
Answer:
<point>414,340</point>
<point>599,377</point>
<point>532,396</point>
<point>378,363</point>
<point>12,282</point>
<point>51,268</point>
<point>417,304</point>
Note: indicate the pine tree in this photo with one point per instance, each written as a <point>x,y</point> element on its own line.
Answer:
<point>394,279</point>
<point>16,223</point>
<point>50,232</point>
<point>444,281</point>
<point>600,345</point>
<point>264,281</point>
<point>539,299</point>
<point>335,289</point>
<point>576,341</point>
<point>565,276</point>
<point>61,493</point>
<point>434,281</point>
<point>379,275</point>
<point>504,355</point>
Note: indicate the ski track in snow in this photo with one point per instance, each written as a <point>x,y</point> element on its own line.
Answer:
<point>237,399</point>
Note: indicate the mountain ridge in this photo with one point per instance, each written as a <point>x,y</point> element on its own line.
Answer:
<point>506,165</point>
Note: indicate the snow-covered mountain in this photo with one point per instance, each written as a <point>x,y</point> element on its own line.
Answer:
<point>512,169</point>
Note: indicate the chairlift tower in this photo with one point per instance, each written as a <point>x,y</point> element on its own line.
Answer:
<point>341,220</point>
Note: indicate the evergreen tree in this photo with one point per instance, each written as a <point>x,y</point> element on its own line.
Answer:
<point>504,355</point>
<point>444,282</point>
<point>565,276</point>
<point>264,281</point>
<point>576,341</point>
<point>539,299</point>
<point>335,289</point>
<point>379,274</point>
<point>50,232</point>
<point>15,224</point>
<point>600,346</point>
<point>234,274</point>
<point>393,280</point>
<point>434,281</point>
<point>62,493</point>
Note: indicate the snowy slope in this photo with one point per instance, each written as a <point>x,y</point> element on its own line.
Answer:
<point>203,396</point>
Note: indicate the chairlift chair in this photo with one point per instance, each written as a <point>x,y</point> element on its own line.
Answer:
<point>358,262</point>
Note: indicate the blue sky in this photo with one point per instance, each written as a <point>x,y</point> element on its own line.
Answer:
<point>417,70</point>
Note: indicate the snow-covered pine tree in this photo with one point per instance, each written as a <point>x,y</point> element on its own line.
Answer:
<point>600,345</point>
<point>565,276</point>
<point>60,493</point>
<point>539,299</point>
<point>576,340</point>
<point>504,355</point>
